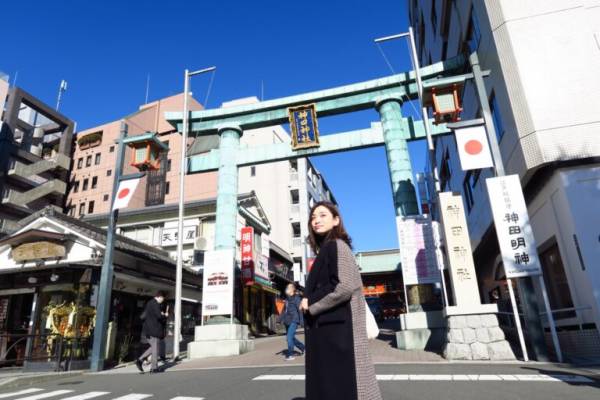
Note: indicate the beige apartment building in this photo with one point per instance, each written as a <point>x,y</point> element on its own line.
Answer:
<point>94,160</point>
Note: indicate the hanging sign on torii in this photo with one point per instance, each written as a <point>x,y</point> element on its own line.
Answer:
<point>303,123</point>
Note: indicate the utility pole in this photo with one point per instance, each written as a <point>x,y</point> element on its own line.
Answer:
<point>106,276</point>
<point>526,289</point>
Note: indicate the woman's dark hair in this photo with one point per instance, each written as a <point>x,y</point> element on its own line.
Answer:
<point>338,232</point>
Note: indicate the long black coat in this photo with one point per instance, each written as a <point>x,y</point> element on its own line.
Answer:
<point>154,321</point>
<point>338,364</point>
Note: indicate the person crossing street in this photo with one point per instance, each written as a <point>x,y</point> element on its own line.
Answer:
<point>292,318</point>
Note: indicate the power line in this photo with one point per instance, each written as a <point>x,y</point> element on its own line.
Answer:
<point>389,64</point>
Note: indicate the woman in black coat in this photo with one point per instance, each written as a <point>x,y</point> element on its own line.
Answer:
<point>338,363</point>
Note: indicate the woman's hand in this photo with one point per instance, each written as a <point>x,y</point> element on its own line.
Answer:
<point>304,305</point>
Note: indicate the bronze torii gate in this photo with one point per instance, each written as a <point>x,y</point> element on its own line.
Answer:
<point>386,95</point>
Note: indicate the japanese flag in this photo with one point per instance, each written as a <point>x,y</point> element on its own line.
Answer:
<point>473,149</point>
<point>125,193</point>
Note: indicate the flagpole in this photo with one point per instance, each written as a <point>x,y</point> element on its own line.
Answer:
<point>106,275</point>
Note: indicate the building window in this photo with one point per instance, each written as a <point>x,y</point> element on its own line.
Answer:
<point>496,117</point>
<point>94,182</point>
<point>105,198</point>
<point>253,171</point>
<point>108,172</point>
<point>433,17</point>
<point>80,163</point>
<point>296,230</point>
<point>91,207</point>
<point>81,209</point>
<point>88,161</point>
<point>168,165</point>
<point>471,179</point>
<point>167,187</point>
<point>295,196</point>
<point>97,160</point>
<point>473,32</point>
<point>421,37</point>
<point>75,186</point>
<point>556,281</point>
<point>85,184</point>
<point>111,149</point>
<point>445,172</point>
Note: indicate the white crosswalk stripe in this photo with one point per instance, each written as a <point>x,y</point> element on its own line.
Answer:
<point>187,398</point>
<point>85,396</point>
<point>457,377</point>
<point>19,393</point>
<point>39,396</point>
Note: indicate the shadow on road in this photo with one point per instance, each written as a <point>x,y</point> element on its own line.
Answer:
<point>586,380</point>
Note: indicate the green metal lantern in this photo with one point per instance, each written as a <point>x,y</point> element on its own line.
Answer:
<point>446,105</point>
<point>146,151</point>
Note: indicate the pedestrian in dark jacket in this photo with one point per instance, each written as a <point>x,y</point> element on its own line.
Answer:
<point>292,318</point>
<point>338,363</point>
<point>154,331</point>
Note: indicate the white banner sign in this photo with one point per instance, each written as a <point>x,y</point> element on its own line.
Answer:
<point>125,193</point>
<point>168,236</point>
<point>419,241</point>
<point>515,237</point>
<point>473,148</point>
<point>217,290</point>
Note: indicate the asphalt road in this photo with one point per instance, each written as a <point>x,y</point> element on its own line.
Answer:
<point>421,381</point>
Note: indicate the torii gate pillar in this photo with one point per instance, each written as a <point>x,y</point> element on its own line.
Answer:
<point>398,158</point>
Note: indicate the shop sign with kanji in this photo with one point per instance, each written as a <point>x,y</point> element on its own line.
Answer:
<point>303,123</point>
<point>169,236</point>
<point>515,236</point>
<point>247,255</point>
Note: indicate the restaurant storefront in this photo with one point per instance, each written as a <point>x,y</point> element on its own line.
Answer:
<point>50,271</point>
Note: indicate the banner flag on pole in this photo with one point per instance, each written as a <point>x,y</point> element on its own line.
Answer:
<point>125,193</point>
<point>473,149</point>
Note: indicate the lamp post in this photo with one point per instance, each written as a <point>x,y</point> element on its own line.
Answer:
<point>151,144</point>
<point>430,146</point>
<point>182,171</point>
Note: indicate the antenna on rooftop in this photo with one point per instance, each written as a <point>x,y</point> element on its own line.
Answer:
<point>147,88</point>
<point>61,89</point>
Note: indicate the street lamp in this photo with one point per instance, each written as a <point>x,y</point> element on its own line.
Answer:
<point>430,146</point>
<point>149,141</point>
<point>182,170</point>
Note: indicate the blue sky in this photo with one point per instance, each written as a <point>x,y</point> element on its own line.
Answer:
<point>106,50</point>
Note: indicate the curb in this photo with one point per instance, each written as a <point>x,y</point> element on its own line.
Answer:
<point>33,379</point>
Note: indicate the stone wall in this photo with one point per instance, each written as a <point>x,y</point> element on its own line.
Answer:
<point>476,337</point>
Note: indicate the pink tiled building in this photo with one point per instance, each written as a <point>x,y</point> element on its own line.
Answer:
<point>94,159</point>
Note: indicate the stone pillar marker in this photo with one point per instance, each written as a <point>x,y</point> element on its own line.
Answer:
<point>225,338</point>
<point>473,329</point>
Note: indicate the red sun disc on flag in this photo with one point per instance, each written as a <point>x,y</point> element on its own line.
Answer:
<point>473,147</point>
<point>123,193</point>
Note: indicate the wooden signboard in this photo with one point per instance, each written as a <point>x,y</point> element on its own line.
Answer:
<point>38,251</point>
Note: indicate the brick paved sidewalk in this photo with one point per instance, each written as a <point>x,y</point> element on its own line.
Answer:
<point>269,352</point>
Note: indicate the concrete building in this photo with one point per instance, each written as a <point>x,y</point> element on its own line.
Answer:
<point>35,150</point>
<point>94,159</point>
<point>543,57</point>
<point>286,189</point>
<point>156,226</point>
<point>49,277</point>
